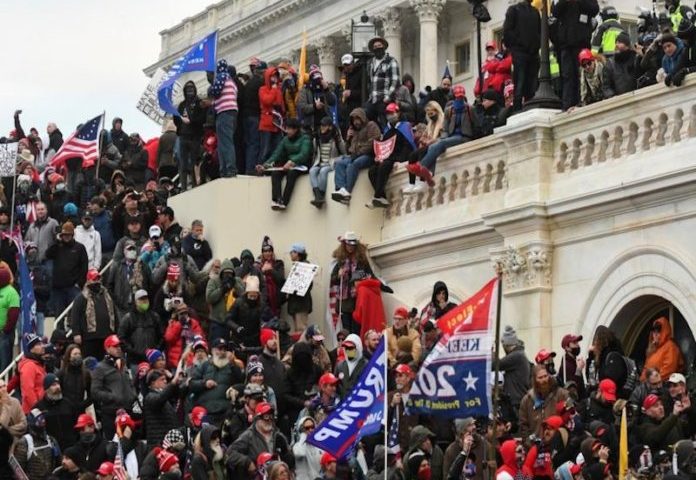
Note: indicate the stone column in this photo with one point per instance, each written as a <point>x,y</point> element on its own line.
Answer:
<point>327,58</point>
<point>391,22</point>
<point>428,12</point>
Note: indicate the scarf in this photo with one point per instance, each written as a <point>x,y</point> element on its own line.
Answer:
<point>136,278</point>
<point>221,76</point>
<point>90,312</point>
<point>458,107</point>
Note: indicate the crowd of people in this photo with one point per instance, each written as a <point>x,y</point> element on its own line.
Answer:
<point>175,363</point>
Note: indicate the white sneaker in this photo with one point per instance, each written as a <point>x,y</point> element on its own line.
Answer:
<point>408,189</point>
<point>419,187</point>
<point>380,202</point>
<point>344,193</point>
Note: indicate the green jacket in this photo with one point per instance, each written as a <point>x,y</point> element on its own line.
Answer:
<point>297,150</point>
<point>216,295</point>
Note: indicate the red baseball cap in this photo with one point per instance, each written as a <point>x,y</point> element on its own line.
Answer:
<point>608,389</point>
<point>401,312</point>
<point>458,91</point>
<point>554,421</point>
<point>111,341</point>
<point>106,468</point>
<point>570,338</point>
<point>650,400</point>
<point>262,459</point>
<point>328,379</point>
<point>83,421</point>
<point>326,458</point>
<point>491,44</point>
<point>197,415</point>
<point>544,355</point>
<point>93,275</point>
<point>392,108</point>
<point>262,409</point>
<point>404,369</point>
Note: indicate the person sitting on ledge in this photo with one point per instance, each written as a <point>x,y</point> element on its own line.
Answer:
<point>291,158</point>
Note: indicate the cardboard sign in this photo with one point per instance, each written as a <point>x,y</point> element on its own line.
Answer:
<point>383,150</point>
<point>8,159</point>
<point>299,279</point>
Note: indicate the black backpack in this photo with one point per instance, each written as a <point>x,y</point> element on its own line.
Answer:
<point>623,371</point>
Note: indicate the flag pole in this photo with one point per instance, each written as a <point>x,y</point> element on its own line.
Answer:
<point>14,201</point>
<point>496,393</point>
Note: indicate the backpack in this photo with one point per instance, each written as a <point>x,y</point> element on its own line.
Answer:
<point>624,371</point>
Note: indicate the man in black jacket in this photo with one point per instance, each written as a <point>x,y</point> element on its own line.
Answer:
<point>111,386</point>
<point>250,111</point>
<point>118,137</point>
<point>61,413</point>
<point>189,128</point>
<point>140,329</point>
<point>93,316</point>
<point>659,430</point>
<point>522,35</point>
<point>158,411</point>
<point>70,265</point>
<point>574,29</point>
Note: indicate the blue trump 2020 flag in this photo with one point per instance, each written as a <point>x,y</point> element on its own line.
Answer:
<point>453,380</point>
<point>361,413</point>
<point>27,300</point>
<point>200,58</point>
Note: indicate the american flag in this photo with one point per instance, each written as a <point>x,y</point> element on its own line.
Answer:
<point>393,446</point>
<point>119,468</point>
<point>84,143</point>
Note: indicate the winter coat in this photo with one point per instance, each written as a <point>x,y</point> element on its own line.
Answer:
<point>301,377</point>
<point>418,435</point>
<point>274,278</point>
<point>659,435</point>
<point>135,163</point>
<point>510,470</point>
<point>61,416</point>
<point>70,264</point>
<point>102,224</point>
<point>189,270</point>
<point>91,240</point>
<point>216,294</point>
<point>440,96</point>
<point>360,142</point>
<point>203,465</point>
<point>249,317</point>
<point>123,286</point>
<point>248,98</point>
<point>369,311</point>
<point>198,250</point>
<point>407,102</point>
<point>307,456</point>
<point>517,370</point>
<point>139,332</point>
<point>667,357</point>
<point>177,337</point>
<point>308,112</point>
<point>534,410</point>
<point>45,455</point>
<point>574,18</point>
<point>245,449</point>
<point>111,387</point>
<point>297,150</point>
<point>499,71</point>
<point>349,371</point>
<point>522,28</point>
<point>119,139</point>
<point>275,376</point>
<point>338,148</point>
<point>468,127</point>
<point>270,100</point>
<point>619,75</point>
<point>298,304</point>
<point>43,234</point>
<point>591,84</point>
<point>31,377</point>
<point>393,337</point>
<point>165,150</point>
<point>76,384</point>
<point>103,304</point>
<point>453,461</point>
<point>214,399</point>
<point>55,141</point>
<point>87,187</point>
<point>196,113</point>
<point>670,64</point>
<point>159,414</point>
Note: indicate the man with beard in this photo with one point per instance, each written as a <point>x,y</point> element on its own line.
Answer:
<point>601,405</point>
<point>652,384</point>
<point>32,372</point>
<point>125,277</point>
<point>540,402</point>
<point>349,370</point>
<point>442,94</point>
<point>111,386</point>
<point>158,410</point>
<point>60,412</point>
<point>37,452</point>
<point>208,455</point>
<point>93,316</point>
<point>261,436</point>
<point>398,398</point>
<point>320,356</point>
<point>371,340</point>
<point>620,73</point>
<point>210,382</point>
<point>91,445</point>
<point>399,329</point>
<point>247,314</point>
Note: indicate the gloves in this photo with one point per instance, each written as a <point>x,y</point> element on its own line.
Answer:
<point>240,330</point>
<point>668,80</point>
<point>678,77</point>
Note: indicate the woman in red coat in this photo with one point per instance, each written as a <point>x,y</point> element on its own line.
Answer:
<point>181,331</point>
<point>272,112</point>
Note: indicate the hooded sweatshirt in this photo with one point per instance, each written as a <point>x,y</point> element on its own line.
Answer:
<point>667,357</point>
<point>204,464</point>
<point>669,64</point>
<point>306,455</point>
<point>270,100</point>
<point>510,470</point>
<point>360,141</point>
<point>349,370</point>
<point>190,107</point>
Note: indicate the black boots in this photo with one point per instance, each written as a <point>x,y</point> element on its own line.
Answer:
<point>318,198</point>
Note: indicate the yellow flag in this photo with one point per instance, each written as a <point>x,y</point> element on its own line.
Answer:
<point>302,67</point>
<point>537,4</point>
<point>623,446</point>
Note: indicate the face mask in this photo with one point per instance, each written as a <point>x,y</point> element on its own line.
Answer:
<point>253,303</point>
<point>392,118</point>
<point>95,287</point>
<point>87,437</point>
<point>131,254</point>
<point>31,256</point>
<point>351,354</point>
<point>575,351</point>
<point>425,473</point>
<point>143,307</point>
<point>379,52</point>
<point>76,362</point>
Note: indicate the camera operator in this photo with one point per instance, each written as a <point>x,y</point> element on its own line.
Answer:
<point>676,391</point>
<point>222,292</point>
<point>466,456</point>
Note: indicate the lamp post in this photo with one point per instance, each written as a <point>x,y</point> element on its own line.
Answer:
<point>481,14</point>
<point>544,97</point>
<point>360,35</point>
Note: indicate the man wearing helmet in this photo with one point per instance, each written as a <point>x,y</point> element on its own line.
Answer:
<point>604,38</point>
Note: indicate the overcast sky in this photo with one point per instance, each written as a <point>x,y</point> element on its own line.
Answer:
<point>68,61</point>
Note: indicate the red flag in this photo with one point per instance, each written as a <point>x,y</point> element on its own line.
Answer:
<point>474,311</point>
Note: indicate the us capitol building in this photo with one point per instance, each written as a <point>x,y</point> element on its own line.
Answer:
<point>590,216</point>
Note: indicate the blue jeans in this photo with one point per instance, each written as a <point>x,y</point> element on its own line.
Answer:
<point>438,148</point>
<point>225,125</point>
<point>252,141</point>
<point>318,176</point>
<point>6,349</point>
<point>269,142</point>
<point>347,170</point>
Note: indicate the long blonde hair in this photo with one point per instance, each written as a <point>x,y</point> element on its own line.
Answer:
<point>433,128</point>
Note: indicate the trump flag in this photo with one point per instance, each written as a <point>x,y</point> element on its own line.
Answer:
<point>27,301</point>
<point>360,413</point>
<point>200,58</point>
<point>453,380</point>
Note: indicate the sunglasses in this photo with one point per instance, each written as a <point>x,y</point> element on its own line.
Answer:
<point>586,64</point>
<point>307,428</point>
<point>268,417</point>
